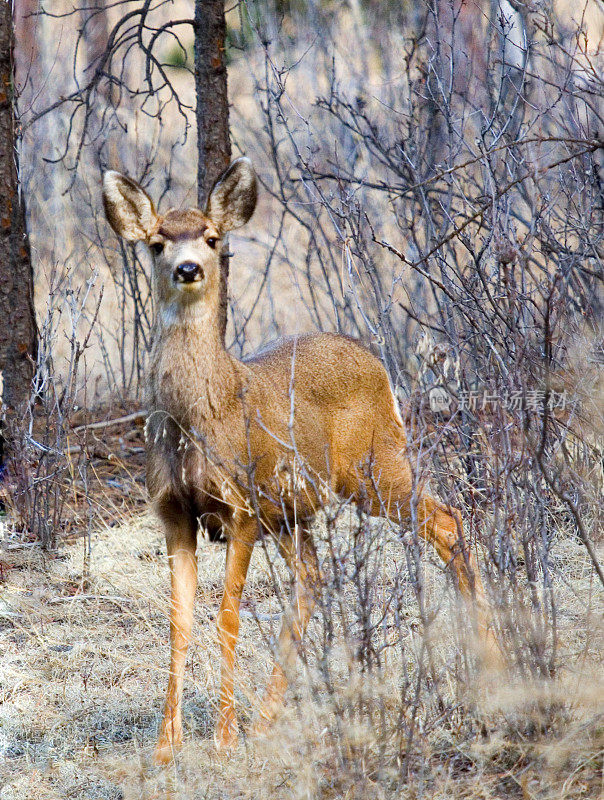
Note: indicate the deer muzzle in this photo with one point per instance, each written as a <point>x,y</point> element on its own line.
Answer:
<point>188,272</point>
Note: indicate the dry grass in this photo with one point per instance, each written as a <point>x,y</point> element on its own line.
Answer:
<point>84,670</point>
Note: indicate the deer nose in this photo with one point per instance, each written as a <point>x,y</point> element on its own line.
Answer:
<point>188,271</point>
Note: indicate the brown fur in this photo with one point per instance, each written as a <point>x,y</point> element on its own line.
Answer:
<point>259,444</point>
<point>177,225</point>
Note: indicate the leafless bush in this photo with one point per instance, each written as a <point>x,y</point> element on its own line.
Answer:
<point>38,487</point>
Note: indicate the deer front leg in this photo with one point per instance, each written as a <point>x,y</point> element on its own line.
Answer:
<point>239,553</point>
<point>181,539</point>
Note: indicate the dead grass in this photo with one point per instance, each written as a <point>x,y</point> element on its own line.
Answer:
<point>84,671</point>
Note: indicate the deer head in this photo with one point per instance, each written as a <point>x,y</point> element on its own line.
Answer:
<point>185,245</point>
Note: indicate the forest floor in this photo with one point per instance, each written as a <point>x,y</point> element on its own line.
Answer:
<point>84,642</point>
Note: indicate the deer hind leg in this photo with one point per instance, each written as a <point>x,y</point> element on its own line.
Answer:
<point>239,552</point>
<point>441,526</point>
<point>301,558</point>
<point>181,540</point>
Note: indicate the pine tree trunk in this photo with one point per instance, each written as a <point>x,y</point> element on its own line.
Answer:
<point>213,141</point>
<point>17,317</point>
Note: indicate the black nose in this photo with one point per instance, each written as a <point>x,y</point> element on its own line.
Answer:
<point>188,271</point>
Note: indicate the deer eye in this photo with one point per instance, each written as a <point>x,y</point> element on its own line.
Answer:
<point>157,248</point>
<point>212,241</point>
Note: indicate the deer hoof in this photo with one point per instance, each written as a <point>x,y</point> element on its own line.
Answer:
<point>227,730</point>
<point>165,750</point>
<point>270,710</point>
<point>169,741</point>
<point>261,726</point>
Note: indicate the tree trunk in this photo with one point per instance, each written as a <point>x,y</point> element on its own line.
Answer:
<point>212,113</point>
<point>26,24</point>
<point>94,37</point>
<point>17,317</point>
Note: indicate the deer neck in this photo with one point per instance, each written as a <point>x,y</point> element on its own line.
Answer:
<point>193,378</point>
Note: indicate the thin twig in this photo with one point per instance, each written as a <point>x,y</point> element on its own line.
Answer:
<point>108,423</point>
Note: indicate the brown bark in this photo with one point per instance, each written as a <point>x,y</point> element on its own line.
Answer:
<point>17,317</point>
<point>213,141</point>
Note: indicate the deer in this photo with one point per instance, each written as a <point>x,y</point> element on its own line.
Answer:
<point>228,438</point>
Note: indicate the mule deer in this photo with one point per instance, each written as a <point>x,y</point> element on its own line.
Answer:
<point>225,437</point>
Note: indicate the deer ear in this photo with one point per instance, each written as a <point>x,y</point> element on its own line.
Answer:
<point>233,197</point>
<point>129,209</point>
